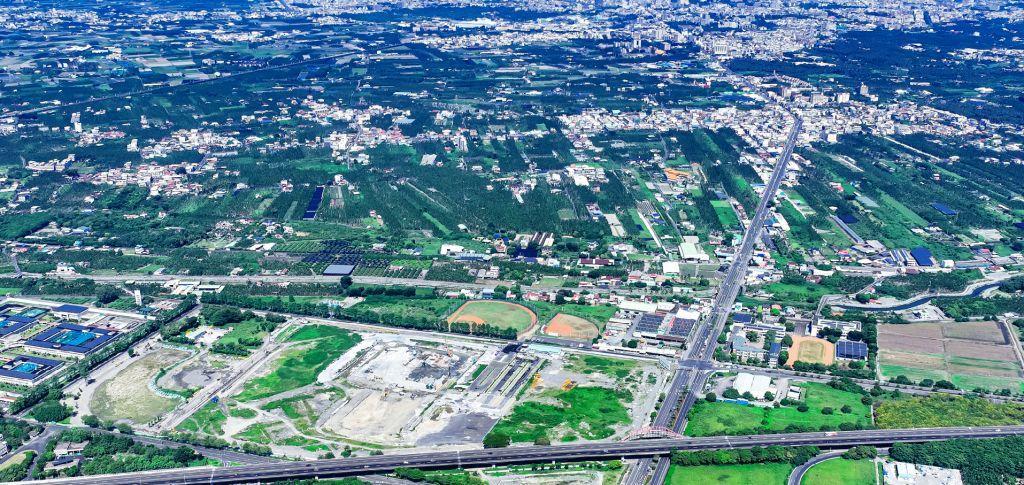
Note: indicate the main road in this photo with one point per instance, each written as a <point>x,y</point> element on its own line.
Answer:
<point>341,467</point>
<point>694,370</point>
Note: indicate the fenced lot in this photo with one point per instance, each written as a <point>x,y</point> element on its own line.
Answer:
<point>973,354</point>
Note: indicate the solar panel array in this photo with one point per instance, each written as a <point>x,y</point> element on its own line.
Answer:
<point>851,350</point>
<point>649,323</point>
<point>343,252</point>
<point>681,327</point>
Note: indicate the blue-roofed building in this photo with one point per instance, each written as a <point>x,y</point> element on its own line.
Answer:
<point>12,324</point>
<point>71,340</point>
<point>923,256</point>
<point>27,370</point>
<point>850,350</point>
<point>69,312</point>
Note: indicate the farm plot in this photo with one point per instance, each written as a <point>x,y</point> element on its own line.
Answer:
<point>495,313</point>
<point>130,395</point>
<point>970,355</point>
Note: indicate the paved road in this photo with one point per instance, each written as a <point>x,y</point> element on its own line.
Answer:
<point>797,475</point>
<point>371,465</point>
<point>690,381</point>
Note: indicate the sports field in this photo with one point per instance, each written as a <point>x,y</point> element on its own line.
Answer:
<point>812,350</point>
<point>571,327</point>
<point>500,314</point>
<point>968,354</point>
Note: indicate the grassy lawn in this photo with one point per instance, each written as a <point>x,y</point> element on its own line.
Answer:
<point>300,366</point>
<point>726,215</point>
<point>759,473</point>
<point>128,396</point>
<point>208,419</point>
<point>582,412</point>
<point>839,471</point>
<point>590,364</point>
<point>719,418</point>
<point>938,410</point>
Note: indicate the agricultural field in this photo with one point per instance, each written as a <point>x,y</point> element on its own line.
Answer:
<point>812,350</point>
<point>726,418</point>
<point>130,395</point>
<point>495,313</point>
<point>968,354</point>
<point>759,473</point>
<point>840,471</point>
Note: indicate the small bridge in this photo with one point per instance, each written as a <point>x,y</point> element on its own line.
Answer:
<point>650,432</point>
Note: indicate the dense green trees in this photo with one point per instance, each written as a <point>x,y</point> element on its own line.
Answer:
<point>981,462</point>
<point>772,454</point>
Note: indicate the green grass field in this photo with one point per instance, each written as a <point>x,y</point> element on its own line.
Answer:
<point>726,215</point>
<point>759,473</point>
<point>497,313</point>
<point>719,418</point>
<point>590,364</point>
<point>299,367</point>
<point>839,471</point>
<point>209,419</point>
<point>582,412</point>
<point>938,411</point>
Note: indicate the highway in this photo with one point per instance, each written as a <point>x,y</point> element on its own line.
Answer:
<point>340,467</point>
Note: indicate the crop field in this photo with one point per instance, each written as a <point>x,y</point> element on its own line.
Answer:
<point>496,313</point>
<point>722,418</point>
<point>128,395</point>
<point>571,327</point>
<point>969,354</point>
<point>812,350</point>
<point>760,473</point>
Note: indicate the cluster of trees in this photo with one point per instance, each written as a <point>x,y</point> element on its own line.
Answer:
<point>361,313</point>
<point>447,478</point>
<point>981,462</point>
<point>113,453</point>
<point>905,286</point>
<point>797,455</point>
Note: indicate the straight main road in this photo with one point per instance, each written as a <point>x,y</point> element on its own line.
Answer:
<point>371,465</point>
<point>693,374</point>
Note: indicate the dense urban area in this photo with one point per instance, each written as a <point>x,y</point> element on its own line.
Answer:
<point>499,242</point>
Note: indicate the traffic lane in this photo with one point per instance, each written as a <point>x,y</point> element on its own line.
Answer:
<point>487,457</point>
